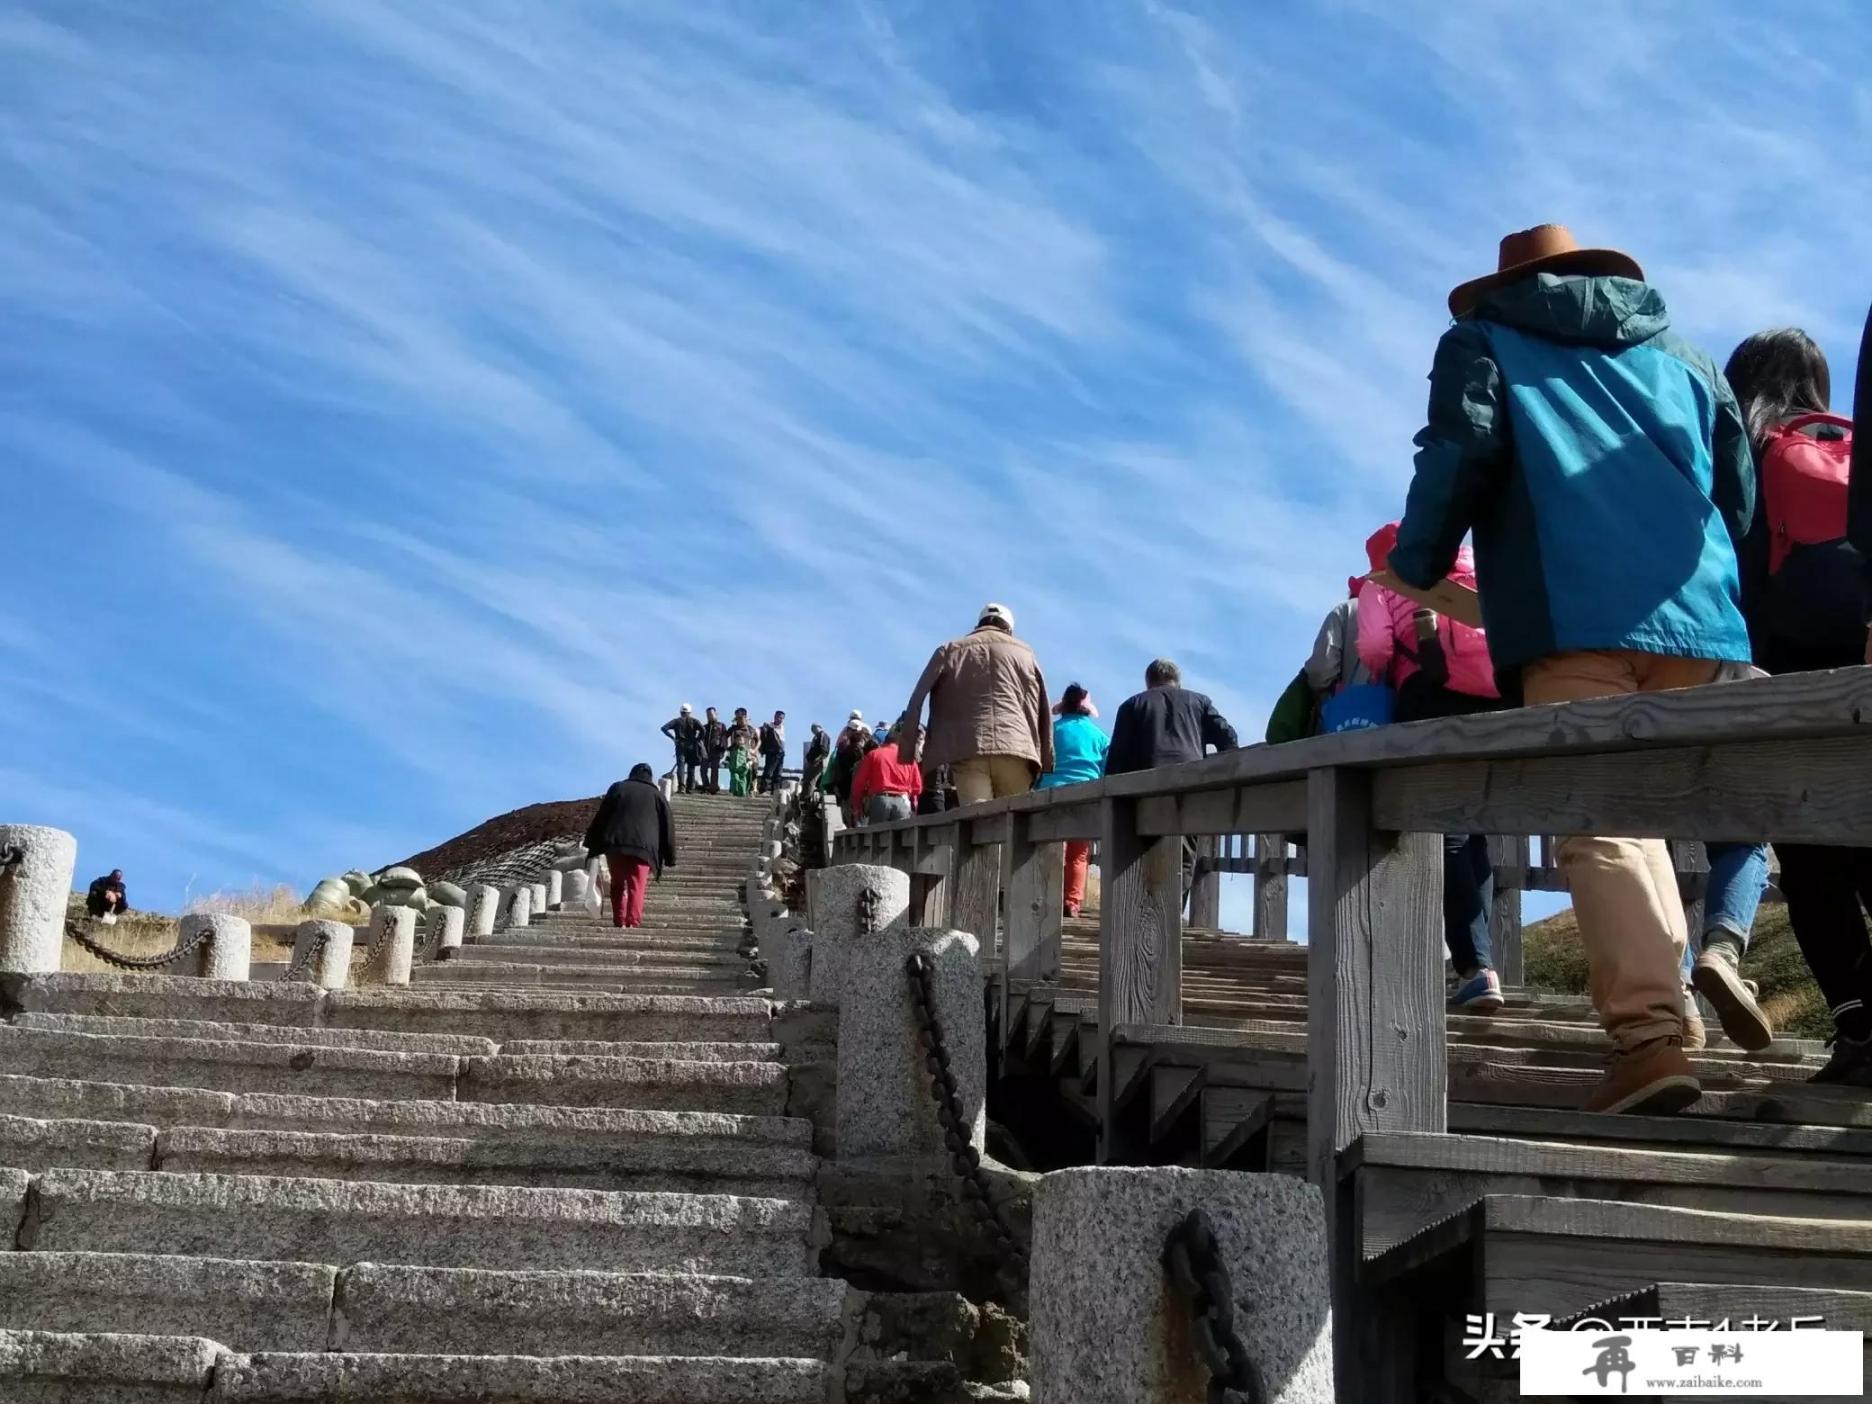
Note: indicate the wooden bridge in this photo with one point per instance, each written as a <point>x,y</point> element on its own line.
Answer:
<point>1458,1178</point>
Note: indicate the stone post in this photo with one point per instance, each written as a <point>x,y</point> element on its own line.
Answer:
<point>787,949</point>
<point>483,908</point>
<point>331,967</point>
<point>555,890</point>
<point>539,898</point>
<point>846,904</point>
<point>885,1108</point>
<point>521,912</point>
<point>393,945</point>
<point>35,886</point>
<point>1107,1329</point>
<point>228,952</point>
<point>576,895</point>
<point>442,931</point>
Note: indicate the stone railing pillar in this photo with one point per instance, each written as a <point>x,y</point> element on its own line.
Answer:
<point>393,945</point>
<point>228,953</point>
<point>1107,1329</point>
<point>442,931</point>
<point>538,890</point>
<point>330,969</point>
<point>520,913</point>
<point>35,884</point>
<point>847,904</point>
<point>885,1107</point>
<point>483,908</point>
<point>555,890</point>
<point>576,893</point>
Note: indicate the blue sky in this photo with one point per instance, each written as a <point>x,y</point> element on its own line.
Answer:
<point>404,406</point>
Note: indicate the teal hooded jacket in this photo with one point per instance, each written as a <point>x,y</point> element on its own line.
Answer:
<point>1601,463</point>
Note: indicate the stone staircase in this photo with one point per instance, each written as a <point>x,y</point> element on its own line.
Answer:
<point>557,1168</point>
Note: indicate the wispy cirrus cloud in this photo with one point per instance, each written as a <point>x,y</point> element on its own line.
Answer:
<point>414,404</point>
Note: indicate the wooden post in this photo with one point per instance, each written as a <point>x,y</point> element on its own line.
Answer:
<point>1508,855</point>
<point>975,879</point>
<point>1206,895</point>
<point>1375,1029</point>
<point>939,887</point>
<point>1034,877</point>
<point>1270,886</point>
<point>1140,941</point>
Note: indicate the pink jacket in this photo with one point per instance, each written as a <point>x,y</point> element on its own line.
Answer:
<point>1387,632</point>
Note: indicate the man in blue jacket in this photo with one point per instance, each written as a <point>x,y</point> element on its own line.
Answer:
<point>1604,469</point>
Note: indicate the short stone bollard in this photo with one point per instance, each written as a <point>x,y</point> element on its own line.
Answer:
<point>538,890</point>
<point>885,1104</point>
<point>787,949</point>
<point>442,931</point>
<point>227,954</point>
<point>520,913</point>
<point>330,968</point>
<point>555,890</point>
<point>393,946</point>
<point>483,908</point>
<point>35,884</point>
<point>1108,1329</point>
<point>846,904</point>
<point>576,896</point>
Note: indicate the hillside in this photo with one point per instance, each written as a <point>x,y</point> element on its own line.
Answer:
<point>1555,961</point>
<point>519,828</point>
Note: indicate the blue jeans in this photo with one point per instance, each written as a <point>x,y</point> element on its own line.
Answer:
<point>1738,875</point>
<point>1468,892</point>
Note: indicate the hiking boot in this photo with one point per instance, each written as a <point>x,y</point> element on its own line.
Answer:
<point>1850,1065</point>
<point>1651,1079</point>
<point>1717,980</point>
<point>1695,1036</point>
<point>1479,994</point>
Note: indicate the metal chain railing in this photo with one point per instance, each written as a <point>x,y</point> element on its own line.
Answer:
<point>302,963</point>
<point>130,962</point>
<point>1194,1263</point>
<point>11,856</point>
<point>964,1159</point>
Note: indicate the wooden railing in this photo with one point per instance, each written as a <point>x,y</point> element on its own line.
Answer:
<point>1785,758</point>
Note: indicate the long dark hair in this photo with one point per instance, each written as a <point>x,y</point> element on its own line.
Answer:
<point>1776,374</point>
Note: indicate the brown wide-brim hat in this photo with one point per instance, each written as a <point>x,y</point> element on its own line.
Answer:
<point>1546,248</point>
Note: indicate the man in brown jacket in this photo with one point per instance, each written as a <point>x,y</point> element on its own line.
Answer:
<point>989,713</point>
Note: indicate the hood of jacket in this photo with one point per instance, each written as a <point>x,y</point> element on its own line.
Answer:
<point>1590,311</point>
<point>1378,551</point>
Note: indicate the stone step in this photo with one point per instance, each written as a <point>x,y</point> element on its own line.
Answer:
<point>633,1129</point>
<point>749,1089</point>
<point>276,1306</point>
<point>605,938</point>
<point>227,1065</point>
<point>36,1143</point>
<point>39,1367</point>
<point>483,1014</point>
<point>280,1218</point>
<point>681,1052</point>
<point>582,979</point>
<point>379,1040</point>
<point>648,958</point>
<point>495,970</point>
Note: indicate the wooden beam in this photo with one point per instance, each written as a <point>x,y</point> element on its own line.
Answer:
<point>1236,809</point>
<point>1075,821</point>
<point>1206,893</point>
<point>1032,919</point>
<point>976,895</point>
<point>1508,854</point>
<point>1270,886</point>
<point>1810,791</point>
<point>1140,942</point>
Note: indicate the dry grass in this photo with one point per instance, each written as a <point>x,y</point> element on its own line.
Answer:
<point>150,933</point>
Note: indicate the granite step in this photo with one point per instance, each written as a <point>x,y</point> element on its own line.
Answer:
<point>492,970</point>
<point>292,1306</point>
<point>626,1131</point>
<point>378,1040</point>
<point>680,1052</point>
<point>745,1088</point>
<point>605,938</point>
<point>645,957</point>
<point>290,1219</point>
<point>58,1368</point>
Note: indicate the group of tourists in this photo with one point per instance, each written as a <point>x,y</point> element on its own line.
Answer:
<point>755,755</point>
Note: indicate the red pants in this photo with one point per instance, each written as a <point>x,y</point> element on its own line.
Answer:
<point>1078,856</point>
<point>629,877</point>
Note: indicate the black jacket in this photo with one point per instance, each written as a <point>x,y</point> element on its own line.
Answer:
<point>686,732</point>
<point>1165,726</point>
<point>715,739</point>
<point>1859,493</point>
<point>634,819</point>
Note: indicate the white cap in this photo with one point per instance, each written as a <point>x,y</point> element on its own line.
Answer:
<point>687,709</point>
<point>856,715</point>
<point>998,612</point>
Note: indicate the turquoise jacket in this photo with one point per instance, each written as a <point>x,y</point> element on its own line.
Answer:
<point>1603,467</point>
<point>1079,749</point>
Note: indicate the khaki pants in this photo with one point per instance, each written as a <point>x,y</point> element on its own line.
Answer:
<point>991,777</point>
<point>1625,896</point>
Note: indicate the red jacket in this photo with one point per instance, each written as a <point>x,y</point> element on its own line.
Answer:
<point>881,773</point>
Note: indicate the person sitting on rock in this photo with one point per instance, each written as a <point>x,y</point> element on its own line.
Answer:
<point>106,900</point>
<point>634,832</point>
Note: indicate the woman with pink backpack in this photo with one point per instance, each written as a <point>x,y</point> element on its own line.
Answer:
<point>1439,667</point>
